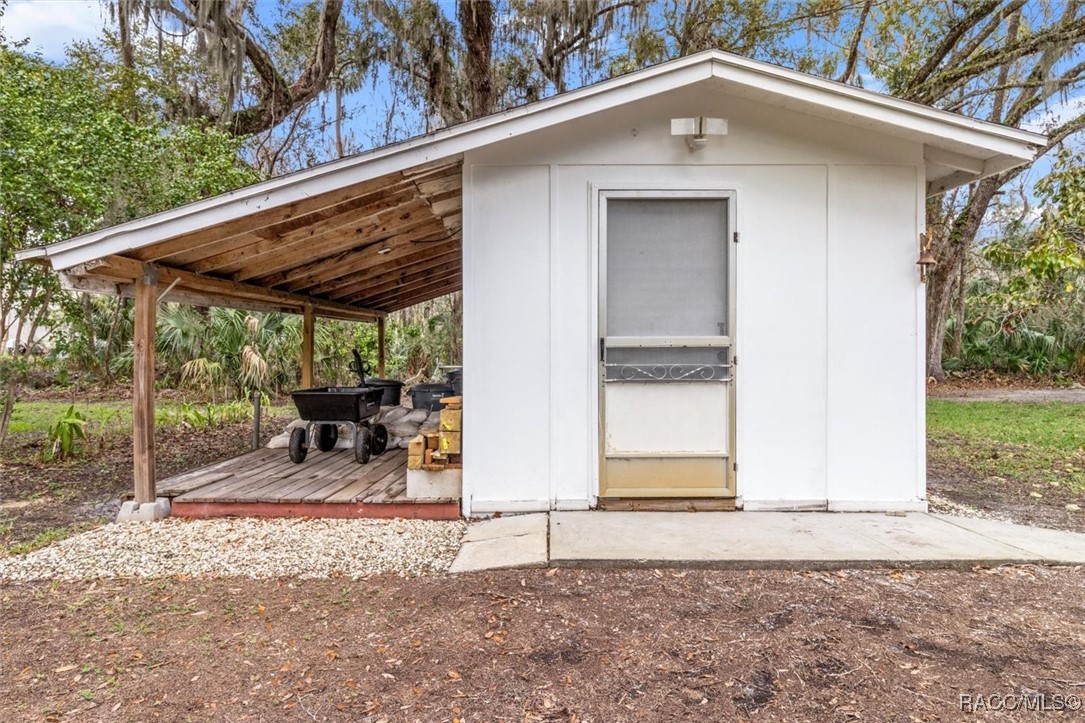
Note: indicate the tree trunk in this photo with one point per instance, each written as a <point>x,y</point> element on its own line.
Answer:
<point>957,343</point>
<point>942,279</point>
<point>477,29</point>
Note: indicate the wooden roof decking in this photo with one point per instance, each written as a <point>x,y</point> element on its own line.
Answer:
<point>357,252</point>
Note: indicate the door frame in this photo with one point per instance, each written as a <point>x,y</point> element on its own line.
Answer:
<point>598,220</point>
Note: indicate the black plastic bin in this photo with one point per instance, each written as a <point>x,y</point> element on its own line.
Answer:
<point>392,390</point>
<point>429,396</point>
<point>455,378</point>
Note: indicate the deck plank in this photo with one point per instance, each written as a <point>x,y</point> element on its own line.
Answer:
<point>363,484</point>
<point>188,481</point>
<point>260,474</point>
<point>327,487</point>
<point>378,490</point>
<point>334,467</point>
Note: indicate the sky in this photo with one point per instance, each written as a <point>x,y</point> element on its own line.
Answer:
<point>53,24</point>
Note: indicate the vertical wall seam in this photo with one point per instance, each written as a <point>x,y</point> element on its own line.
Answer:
<point>830,176</point>
<point>553,302</point>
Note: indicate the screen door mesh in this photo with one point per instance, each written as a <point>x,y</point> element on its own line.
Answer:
<point>666,267</point>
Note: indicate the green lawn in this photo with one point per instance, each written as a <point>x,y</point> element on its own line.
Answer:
<point>36,417</point>
<point>1028,442</point>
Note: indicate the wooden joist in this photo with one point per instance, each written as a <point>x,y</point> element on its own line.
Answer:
<point>401,272</point>
<point>370,231</point>
<point>388,271</point>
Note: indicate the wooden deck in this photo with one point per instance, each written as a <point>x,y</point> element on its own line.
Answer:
<point>265,483</point>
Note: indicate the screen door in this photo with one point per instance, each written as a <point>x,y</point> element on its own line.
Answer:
<point>666,312</point>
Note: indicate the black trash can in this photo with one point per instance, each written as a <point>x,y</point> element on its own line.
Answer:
<point>429,396</point>
<point>392,390</point>
<point>455,378</point>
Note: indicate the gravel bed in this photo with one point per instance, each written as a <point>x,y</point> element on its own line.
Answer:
<point>244,547</point>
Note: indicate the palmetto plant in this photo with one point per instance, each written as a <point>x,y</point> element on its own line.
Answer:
<point>228,351</point>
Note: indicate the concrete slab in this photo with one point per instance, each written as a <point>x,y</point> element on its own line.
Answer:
<point>795,540</point>
<point>1055,546</point>
<point>508,526</point>
<point>501,543</point>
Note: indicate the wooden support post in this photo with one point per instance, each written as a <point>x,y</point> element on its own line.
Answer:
<point>380,347</point>
<point>308,326</point>
<point>143,470</point>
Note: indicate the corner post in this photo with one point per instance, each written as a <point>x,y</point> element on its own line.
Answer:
<point>143,386</point>
<point>307,333</point>
<point>380,346</point>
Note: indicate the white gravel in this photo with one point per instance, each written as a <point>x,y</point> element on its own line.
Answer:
<point>244,547</point>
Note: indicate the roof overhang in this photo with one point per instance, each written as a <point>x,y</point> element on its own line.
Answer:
<point>381,230</point>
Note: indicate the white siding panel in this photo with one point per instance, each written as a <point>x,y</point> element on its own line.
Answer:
<point>781,341</point>
<point>874,418</point>
<point>506,333</point>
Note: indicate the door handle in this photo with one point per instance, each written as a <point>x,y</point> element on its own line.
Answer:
<point>602,349</point>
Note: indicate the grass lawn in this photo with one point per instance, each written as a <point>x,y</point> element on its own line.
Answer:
<point>35,417</point>
<point>1035,443</point>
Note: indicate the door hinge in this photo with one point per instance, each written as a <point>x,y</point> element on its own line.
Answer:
<point>734,360</point>
<point>734,237</point>
<point>734,466</point>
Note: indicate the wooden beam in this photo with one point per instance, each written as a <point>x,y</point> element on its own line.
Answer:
<point>308,326</point>
<point>143,467</point>
<point>380,347</point>
<point>113,266</point>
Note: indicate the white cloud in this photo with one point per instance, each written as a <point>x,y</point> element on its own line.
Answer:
<point>52,24</point>
<point>1055,114</point>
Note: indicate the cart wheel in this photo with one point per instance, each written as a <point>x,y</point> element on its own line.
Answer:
<point>380,438</point>
<point>327,437</point>
<point>363,439</point>
<point>297,445</point>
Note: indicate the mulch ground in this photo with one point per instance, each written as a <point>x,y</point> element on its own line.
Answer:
<point>544,646</point>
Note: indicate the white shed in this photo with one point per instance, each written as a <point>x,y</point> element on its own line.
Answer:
<point>694,281</point>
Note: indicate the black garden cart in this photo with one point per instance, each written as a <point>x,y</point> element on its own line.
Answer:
<point>324,409</point>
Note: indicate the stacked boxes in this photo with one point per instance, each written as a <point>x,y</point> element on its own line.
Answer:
<point>439,450</point>
<point>434,462</point>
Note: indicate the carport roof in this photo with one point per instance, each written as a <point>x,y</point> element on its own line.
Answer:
<point>381,230</point>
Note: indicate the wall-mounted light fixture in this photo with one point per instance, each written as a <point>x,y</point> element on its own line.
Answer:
<point>696,130</point>
<point>927,259</point>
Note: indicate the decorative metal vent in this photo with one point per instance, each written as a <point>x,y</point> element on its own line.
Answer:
<point>670,364</point>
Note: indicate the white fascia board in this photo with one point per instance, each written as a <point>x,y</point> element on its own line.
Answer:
<point>884,110</point>
<point>862,103</point>
<point>446,143</point>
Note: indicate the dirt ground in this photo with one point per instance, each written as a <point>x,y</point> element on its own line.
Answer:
<point>544,646</point>
<point>38,498</point>
<point>1069,395</point>
<point>1001,498</point>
